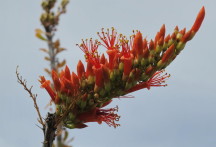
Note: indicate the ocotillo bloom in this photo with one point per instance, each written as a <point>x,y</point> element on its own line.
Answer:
<point>132,65</point>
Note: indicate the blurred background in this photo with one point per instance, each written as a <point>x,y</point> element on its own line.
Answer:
<point>183,114</point>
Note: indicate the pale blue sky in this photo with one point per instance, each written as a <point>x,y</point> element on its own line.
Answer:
<point>182,114</point>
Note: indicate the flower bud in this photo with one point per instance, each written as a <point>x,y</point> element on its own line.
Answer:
<point>89,70</point>
<point>91,80</point>
<point>199,20</point>
<point>80,69</point>
<point>67,74</point>
<point>121,66</point>
<point>57,84</point>
<point>102,59</point>
<point>143,62</point>
<point>138,44</point>
<point>170,51</point>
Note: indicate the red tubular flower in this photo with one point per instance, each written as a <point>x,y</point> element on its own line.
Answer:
<point>90,50</point>
<point>126,57</point>
<point>155,81</point>
<point>108,116</point>
<point>46,84</point>
<point>111,42</point>
<point>100,115</point>
<point>99,76</point>
<point>112,56</point>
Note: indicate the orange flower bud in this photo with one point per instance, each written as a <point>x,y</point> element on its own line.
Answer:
<point>162,30</point>
<point>183,31</point>
<point>89,70</point>
<point>138,44</point>
<point>67,84</point>
<point>168,53</point>
<point>199,20</point>
<point>144,43</point>
<point>173,36</point>
<point>161,41</point>
<point>167,38</point>
<point>80,69</point>
<point>146,53</point>
<point>160,34</point>
<point>102,59</point>
<point>176,29</point>
<point>151,45</point>
<point>67,74</point>
<point>75,80</point>
<point>57,83</point>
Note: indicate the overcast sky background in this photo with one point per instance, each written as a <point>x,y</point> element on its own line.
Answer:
<point>182,114</point>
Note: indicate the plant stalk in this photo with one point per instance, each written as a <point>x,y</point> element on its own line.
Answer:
<point>49,130</point>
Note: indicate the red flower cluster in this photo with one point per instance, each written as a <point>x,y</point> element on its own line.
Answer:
<point>132,64</point>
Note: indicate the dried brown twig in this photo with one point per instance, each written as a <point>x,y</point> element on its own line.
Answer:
<point>23,82</point>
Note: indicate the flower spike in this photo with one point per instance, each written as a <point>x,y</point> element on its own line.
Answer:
<point>132,64</point>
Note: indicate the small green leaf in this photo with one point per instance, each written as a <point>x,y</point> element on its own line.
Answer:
<point>39,34</point>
